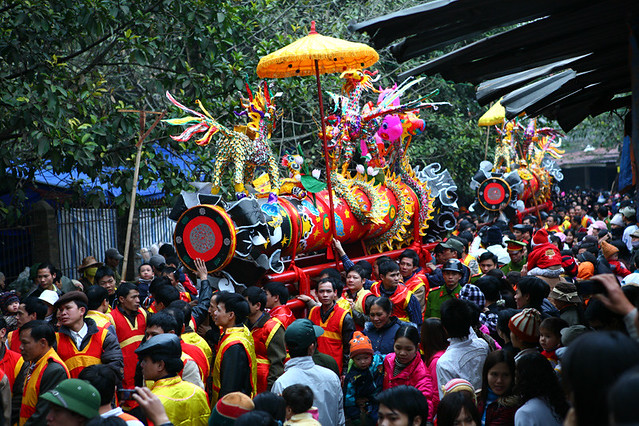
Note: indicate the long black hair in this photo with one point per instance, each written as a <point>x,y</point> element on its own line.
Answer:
<point>434,338</point>
<point>492,360</point>
<point>612,353</point>
<point>537,379</point>
<point>452,404</point>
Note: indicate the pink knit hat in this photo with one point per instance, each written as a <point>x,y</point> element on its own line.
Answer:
<point>525,325</point>
<point>459,385</point>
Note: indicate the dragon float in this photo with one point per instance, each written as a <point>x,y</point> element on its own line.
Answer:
<point>281,226</point>
<point>523,175</point>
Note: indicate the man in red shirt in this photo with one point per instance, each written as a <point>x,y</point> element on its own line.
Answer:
<point>276,298</point>
<point>268,336</point>
<point>413,275</point>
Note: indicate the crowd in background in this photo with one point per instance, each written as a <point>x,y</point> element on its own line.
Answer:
<point>531,323</point>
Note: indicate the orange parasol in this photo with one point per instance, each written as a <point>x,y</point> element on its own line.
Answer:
<point>317,54</point>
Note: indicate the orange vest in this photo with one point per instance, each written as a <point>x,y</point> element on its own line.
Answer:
<point>330,343</point>
<point>76,359</point>
<point>416,281</point>
<point>11,363</point>
<point>400,300</point>
<point>284,314</point>
<point>127,417</point>
<point>13,340</point>
<point>199,357</point>
<point>262,337</point>
<point>129,337</point>
<point>101,320</point>
<point>234,335</point>
<point>31,391</point>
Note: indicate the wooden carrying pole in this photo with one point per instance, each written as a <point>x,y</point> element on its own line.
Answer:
<point>136,173</point>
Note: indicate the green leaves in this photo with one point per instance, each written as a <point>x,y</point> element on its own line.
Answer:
<point>70,66</point>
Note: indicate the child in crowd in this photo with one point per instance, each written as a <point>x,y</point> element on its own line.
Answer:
<point>9,302</point>
<point>299,401</point>
<point>145,276</point>
<point>362,382</point>
<point>550,338</point>
<point>524,331</point>
<point>611,253</point>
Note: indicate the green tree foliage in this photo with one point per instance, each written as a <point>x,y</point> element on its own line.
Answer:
<point>69,66</point>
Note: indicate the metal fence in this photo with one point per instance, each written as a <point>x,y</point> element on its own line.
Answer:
<point>82,233</point>
<point>155,227</point>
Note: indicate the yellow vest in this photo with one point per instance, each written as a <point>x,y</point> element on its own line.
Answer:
<point>232,336</point>
<point>185,403</point>
<point>31,391</point>
<point>195,339</point>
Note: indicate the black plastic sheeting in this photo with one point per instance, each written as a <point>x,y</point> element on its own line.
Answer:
<point>565,60</point>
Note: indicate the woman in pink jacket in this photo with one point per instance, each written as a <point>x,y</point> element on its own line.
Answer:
<point>405,366</point>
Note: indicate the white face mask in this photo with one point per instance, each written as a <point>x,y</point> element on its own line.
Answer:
<point>635,244</point>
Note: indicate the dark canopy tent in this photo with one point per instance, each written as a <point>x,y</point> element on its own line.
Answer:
<point>566,60</point>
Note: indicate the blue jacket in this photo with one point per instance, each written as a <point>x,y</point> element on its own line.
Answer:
<point>383,340</point>
<point>363,384</point>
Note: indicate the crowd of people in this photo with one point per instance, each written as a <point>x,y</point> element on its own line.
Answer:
<point>531,323</point>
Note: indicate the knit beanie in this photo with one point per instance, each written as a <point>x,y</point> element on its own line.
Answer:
<point>525,325</point>
<point>360,344</point>
<point>8,298</point>
<point>608,249</point>
<point>569,265</point>
<point>540,237</point>
<point>459,385</point>
<point>230,407</point>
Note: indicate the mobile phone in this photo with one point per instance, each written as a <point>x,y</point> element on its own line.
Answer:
<point>125,394</point>
<point>590,287</point>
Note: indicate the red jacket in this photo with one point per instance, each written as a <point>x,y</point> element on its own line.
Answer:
<point>415,374</point>
<point>618,268</point>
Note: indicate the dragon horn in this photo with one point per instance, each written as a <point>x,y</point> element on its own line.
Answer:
<point>248,89</point>
<point>267,94</point>
<point>182,107</point>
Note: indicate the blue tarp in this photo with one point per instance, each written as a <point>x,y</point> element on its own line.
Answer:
<point>49,177</point>
<point>625,165</point>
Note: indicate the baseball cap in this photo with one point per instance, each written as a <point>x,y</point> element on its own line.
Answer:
<point>453,244</point>
<point>301,333</point>
<point>75,395</point>
<point>628,212</point>
<point>113,253</point>
<point>49,296</point>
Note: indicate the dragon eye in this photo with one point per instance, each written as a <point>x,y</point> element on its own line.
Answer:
<point>295,166</point>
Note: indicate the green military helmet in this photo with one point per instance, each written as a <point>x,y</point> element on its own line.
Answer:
<point>77,396</point>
